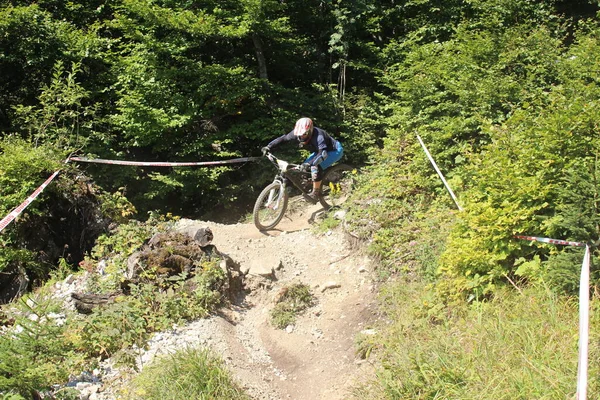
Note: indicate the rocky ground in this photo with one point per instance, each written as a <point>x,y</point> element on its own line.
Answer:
<point>313,359</point>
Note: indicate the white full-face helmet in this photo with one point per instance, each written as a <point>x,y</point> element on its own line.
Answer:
<point>303,129</point>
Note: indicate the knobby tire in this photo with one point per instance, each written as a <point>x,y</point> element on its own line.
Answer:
<point>339,178</point>
<point>268,214</point>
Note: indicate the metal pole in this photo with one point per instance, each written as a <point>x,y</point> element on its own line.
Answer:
<point>439,173</point>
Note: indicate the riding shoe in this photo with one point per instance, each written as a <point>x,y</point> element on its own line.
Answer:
<point>313,197</point>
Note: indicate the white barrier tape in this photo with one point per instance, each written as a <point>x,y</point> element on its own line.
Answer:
<point>584,311</point>
<point>584,326</point>
<point>551,241</point>
<point>164,164</point>
<point>439,173</point>
<point>17,211</point>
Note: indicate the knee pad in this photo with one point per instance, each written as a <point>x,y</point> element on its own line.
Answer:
<point>316,173</point>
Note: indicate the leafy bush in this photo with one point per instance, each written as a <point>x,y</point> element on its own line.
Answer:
<point>536,177</point>
<point>152,304</point>
<point>509,115</point>
<point>111,329</point>
<point>23,168</point>
<point>399,213</point>
<point>64,220</point>
<point>35,352</point>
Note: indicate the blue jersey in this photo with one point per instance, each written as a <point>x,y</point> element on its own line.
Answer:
<point>320,143</point>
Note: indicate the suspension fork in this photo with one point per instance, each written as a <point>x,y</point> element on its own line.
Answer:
<point>271,198</point>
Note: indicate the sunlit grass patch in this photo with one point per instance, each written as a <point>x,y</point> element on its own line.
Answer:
<point>187,374</point>
<point>515,346</point>
<point>293,300</point>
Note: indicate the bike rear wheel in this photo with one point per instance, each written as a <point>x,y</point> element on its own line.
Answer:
<point>270,206</point>
<point>336,186</point>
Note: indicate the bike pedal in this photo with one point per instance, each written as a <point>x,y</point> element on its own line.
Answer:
<point>311,200</point>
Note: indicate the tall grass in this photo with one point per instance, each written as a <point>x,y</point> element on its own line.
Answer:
<point>519,345</point>
<point>185,375</point>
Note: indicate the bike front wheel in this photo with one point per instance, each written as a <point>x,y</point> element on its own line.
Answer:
<point>270,206</point>
<point>336,186</point>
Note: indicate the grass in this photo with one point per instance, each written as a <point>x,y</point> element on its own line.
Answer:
<point>295,299</point>
<point>187,374</point>
<point>515,346</point>
<point>328,223</point>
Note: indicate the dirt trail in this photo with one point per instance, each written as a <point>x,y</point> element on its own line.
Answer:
<point>315,358</point>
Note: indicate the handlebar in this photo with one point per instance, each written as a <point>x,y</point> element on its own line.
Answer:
<point>281,164</point>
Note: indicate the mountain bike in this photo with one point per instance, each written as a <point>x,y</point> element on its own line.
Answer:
<point>272,202</point>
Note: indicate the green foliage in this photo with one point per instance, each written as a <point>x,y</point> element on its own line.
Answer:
<point>169,81</point>
<point>110,329</point>
<point>22,169</point>
<point>62,116</point>
<point>181,298</point>
<point>164,81</point>
<point>537,177</point>
<point>293,300</point>
<point>60,273</point>
<point>116,206</point>
<point>188,374</point>
<point>363,129</point>
<point>12,396</point>
<point>517,345</point>
<point>62,221</point>
<point>504,93</point>
<point>448,90</point>
<point>128,321</point>
<point>125,239</point>
<point>507,110</point>
<point>327,224</point>
<point>43,348</point>
<point>36,354</point>
<point>114,248</point>
<point>22,258</point>
<point>152,304</point>
<point>399,214</point>
<point>32,41</point>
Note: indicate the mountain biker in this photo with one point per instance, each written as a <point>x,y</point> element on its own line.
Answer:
<point>325,151</point>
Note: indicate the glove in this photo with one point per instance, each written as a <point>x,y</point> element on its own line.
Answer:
<point>265,150</point>
<point>305,167</point>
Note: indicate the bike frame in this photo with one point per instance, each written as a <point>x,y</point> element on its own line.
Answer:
<point>272,201</point>
<point>284,176</point>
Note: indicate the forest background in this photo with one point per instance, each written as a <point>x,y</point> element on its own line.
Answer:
<point>504,92</point>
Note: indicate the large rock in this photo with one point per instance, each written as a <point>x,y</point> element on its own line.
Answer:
<point>203,235</point>
<point>86,302</point>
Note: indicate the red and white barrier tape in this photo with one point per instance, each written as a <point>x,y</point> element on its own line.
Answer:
<point>584,311</point>
<point>551,241</point>
<point>17,211</point>
<point>164,164</point>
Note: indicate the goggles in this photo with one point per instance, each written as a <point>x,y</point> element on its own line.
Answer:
<point>303,137</point>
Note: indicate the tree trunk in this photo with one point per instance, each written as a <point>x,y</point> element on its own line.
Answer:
<point>260,56</point>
